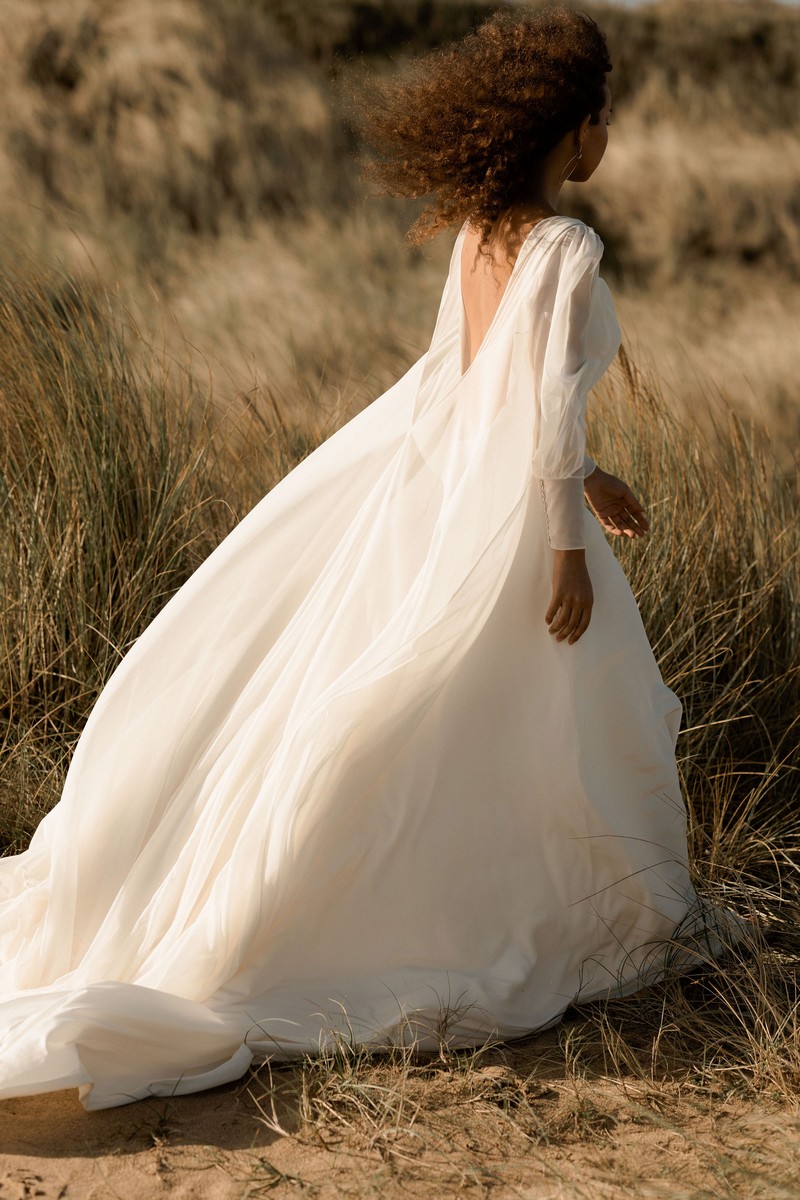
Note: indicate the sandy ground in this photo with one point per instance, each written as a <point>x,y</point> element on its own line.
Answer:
<point>508,1130</point>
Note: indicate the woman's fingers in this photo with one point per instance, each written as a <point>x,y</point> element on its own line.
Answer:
<point>633,503</point>
<point>618,521</point>
<point>552,609</point>
<point>638,521</point>
<point>576,622</point>
<point>635,512</point>
<point>571,622</point>
<point>568,629</point>
<point>615,521</point>
<point>562,617</point>
<point>571,594</point>
<point>582,626</point>
<point>608,524</point>
<point>623,521</point>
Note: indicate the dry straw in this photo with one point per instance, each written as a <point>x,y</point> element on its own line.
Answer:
<point>118,476</point>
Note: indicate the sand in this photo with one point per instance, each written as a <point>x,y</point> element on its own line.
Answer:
<point>495,1129</point>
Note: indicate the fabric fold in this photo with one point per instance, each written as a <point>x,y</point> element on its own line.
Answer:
<point>324,777</point>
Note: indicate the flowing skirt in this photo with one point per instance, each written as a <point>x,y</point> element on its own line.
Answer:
<point>462,861</point>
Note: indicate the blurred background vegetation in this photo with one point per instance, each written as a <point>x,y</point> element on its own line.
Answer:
<point>194,155</point>
<point>195,290</point>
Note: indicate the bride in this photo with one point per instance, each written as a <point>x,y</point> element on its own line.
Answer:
<point>397,760</point>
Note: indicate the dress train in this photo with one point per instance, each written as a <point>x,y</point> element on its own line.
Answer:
<point>346,780</point>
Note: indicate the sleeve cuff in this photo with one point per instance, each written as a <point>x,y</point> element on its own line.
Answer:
<point>564,510</point>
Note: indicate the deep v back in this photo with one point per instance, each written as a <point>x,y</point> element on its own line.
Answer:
<point>483,284</point>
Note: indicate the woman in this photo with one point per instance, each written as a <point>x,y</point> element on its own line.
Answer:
<point>397,759</point>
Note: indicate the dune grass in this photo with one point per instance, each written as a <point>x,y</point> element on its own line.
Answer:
<point>118,476</point>
<point>116,480</point>
<point>121,468</point>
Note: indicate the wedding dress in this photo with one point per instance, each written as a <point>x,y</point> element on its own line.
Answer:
<point>347,781</point>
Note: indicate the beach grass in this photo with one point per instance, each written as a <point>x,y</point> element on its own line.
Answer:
<point>119,478</point>
<point>188,307</point>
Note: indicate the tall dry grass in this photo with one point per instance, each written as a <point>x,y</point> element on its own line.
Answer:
<point>143,157</point>
<point>718,584</point>
<point>118,476</point>
<point>116,479</point>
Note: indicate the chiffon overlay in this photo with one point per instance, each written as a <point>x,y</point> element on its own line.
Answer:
<point>347,782</point>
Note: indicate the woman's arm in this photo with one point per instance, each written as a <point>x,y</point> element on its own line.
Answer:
<point>618,511</point>
<point>560,461</point>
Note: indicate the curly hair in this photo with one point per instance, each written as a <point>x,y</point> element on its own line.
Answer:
<point>465,122</point>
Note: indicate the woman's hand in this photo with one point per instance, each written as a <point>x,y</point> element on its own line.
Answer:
<point>570,608</point>
<point>615,505</point>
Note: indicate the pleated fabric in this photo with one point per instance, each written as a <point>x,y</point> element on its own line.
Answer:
<point>346,780</point>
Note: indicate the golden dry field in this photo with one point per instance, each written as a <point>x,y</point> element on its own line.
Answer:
<point>192,154</point>
<point>195,290</point>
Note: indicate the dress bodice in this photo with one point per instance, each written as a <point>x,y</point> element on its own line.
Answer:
<point>553,335</point>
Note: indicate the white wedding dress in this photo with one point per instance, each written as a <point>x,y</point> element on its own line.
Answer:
<point>347,780</point>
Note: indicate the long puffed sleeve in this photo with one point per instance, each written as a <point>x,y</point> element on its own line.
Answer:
<point>560,461</point>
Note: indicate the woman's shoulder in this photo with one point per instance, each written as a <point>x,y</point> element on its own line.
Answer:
<point>581,234</point>
<point>575,244</point>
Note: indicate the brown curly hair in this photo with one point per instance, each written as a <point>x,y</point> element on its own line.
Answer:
<point>464,123</point>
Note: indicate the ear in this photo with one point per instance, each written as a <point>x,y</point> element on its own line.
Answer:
<point>581,130</point>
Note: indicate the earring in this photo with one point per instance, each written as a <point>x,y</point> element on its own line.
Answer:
<point>572,160</point>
